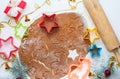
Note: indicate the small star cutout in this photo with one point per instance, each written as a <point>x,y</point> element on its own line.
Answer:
<point>49,22</point>
<point>73,54</point>
<point>91,34</point>
<point>19,30</point>
<point>94,50</point>
<point>7,48</point>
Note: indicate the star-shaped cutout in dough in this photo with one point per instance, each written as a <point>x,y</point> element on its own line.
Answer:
<point>73,54</point>
<point>49,22</point>
<point>94,50</point>
<point>91,34</point>
<point>7,48</point>
<point>19,30</point>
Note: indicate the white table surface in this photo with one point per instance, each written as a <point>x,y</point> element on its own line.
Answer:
<point>112,10</point>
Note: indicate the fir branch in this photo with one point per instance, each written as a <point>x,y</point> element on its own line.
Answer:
<point>18,70</point>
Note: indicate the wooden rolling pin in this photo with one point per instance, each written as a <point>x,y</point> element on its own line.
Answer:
<point>104,27</point>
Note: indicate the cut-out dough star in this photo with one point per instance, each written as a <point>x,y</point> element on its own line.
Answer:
<point>91,34</point>
<point>19,30</point>
<point>7,48</point>
<point>73,54</point>
<point>94,50</point>
<point>49,22</point>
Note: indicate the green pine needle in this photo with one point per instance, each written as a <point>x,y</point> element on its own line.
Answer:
<point>18,70</point>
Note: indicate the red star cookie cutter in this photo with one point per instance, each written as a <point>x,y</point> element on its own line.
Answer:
<point>51,22</point>
<point>7,48</point>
